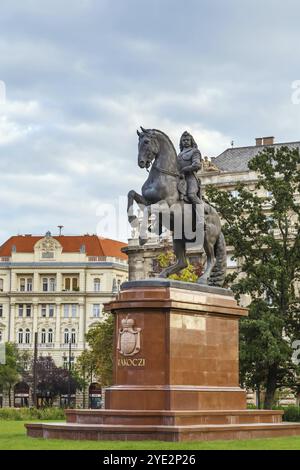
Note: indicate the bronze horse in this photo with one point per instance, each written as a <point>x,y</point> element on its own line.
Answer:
<point>161,190</point>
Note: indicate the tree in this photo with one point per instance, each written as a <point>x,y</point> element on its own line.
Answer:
<point>263,229</point>
<point>52,381</point>
<point>99,358</point>
<point>10,372</point>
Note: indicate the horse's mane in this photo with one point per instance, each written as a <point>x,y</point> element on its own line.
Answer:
<point>167,137</point>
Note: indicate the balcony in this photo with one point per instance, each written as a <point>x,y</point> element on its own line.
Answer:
<point>46,346</point>
<point>66,346</point>
<point>107,259</point>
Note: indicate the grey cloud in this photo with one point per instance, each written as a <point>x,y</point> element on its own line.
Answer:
<point>81,75</point>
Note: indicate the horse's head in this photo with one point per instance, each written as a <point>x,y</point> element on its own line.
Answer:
<point>148,147</point>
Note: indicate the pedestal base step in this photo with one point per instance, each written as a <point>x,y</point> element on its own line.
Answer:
<point>102,432</point>
<point>172,418</point>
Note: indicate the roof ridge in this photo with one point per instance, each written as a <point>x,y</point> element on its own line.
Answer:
<point>258,146</point>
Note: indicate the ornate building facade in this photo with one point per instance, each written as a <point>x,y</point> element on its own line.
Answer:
<point>56,286</point>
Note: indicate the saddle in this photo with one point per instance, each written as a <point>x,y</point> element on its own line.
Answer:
<point>182,189</point>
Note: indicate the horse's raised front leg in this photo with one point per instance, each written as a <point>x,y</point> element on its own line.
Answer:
<point>140,200</point>
<point>132,218</point>
<point>181,260</point>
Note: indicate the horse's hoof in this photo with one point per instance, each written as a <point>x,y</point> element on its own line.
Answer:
<point>142,241</point>
<point>133,220</point>
<point>163,275</point>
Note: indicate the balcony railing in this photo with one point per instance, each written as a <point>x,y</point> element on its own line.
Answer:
<point>110,259</point>
<point>66,346</point>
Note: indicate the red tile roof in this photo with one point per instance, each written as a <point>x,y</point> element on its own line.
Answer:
<point>94,246</point>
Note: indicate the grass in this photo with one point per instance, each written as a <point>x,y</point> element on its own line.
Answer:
<point>13,437</point>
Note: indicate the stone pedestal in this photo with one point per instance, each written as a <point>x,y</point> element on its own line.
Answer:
<point>188,356</point>
<point>176,371</point>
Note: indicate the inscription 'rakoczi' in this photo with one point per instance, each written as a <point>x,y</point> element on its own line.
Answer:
<point>130,362</point>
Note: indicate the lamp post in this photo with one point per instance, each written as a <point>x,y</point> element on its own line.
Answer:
<point>35,370</point>
<point>69,377</point>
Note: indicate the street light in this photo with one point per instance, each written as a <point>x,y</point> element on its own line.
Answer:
<point>69,378</point>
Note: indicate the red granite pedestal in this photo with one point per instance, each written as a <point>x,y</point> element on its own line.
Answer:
<point>176,372</point>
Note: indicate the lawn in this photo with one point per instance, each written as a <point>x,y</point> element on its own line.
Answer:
<point>13,437</point>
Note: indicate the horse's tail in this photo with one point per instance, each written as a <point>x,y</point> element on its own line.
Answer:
<point>218,273</point>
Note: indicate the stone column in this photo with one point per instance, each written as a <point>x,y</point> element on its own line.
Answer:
<point>36,282</point>
<point>81,337</point>
<point>12,313</point>
<point>35,318</point>
<point>57,326</point>
<point>59,282</point>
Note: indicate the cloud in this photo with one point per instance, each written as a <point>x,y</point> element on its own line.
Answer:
<point>82,75</point>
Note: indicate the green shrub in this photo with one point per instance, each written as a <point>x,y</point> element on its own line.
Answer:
<point>23,414</point>
<point>292,414</point>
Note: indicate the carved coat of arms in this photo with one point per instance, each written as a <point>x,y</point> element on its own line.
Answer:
<point>129,338</point>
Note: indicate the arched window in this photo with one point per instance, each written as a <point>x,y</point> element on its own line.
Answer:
<point>97,285</point>
<point>73,336</point>
<point>67,283</point>
<point>20,336</point>
<point>1,285</point>
<point>27,336</point>
<point>66,336</point>
<point>43,336</point>
<point>50,336</point>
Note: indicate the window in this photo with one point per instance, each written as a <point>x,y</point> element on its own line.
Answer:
<point>66,336</point>
<point>22,284</point>
<point>231,263</point>
<point>66,310</point>
<point>45,284</point>
<point>28,310</point>
<point>1,310</point>
<point>73,336</point>
<point>1,336</point>
<point>20,336</point>
<point>44,311</point>
<point>72,283</point>
<point>96,310</point>
<point>66,362</point>
<point>27,336</point>
<point>20,309</point>
<point>119,284</point>
<point>52,284</point>
<point>97,285</point>
<point>43,336</point>
<point>51,310</point>
<point>1,285</point>
<point>74,310</point>
<point>29,284</point>
<point>114,286</point>
<point>50,336</point>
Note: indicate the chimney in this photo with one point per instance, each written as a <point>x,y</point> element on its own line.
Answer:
<point>264,141</point>
<point>269,140</point>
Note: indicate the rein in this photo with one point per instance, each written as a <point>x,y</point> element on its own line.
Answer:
<point>166,172</point>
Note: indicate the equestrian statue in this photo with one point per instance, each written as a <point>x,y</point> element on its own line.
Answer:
<point>172,192</point>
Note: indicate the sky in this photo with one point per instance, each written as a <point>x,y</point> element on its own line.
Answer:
<point>78,77</point>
